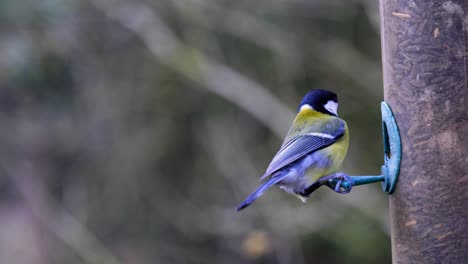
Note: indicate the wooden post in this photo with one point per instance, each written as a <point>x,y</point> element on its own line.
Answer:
<point>424,48</point>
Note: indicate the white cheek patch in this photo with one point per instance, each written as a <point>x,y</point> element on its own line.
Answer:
<point>332,107</point>
<point>304,107</point>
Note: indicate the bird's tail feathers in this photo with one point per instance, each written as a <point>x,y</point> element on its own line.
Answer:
<point>260,190</point>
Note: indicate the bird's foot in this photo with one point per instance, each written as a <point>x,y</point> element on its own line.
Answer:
<point>340,183</point>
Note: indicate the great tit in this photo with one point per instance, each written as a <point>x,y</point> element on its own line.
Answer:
<point>314,147</point>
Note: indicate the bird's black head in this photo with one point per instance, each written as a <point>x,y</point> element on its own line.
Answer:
<point>322,101</point>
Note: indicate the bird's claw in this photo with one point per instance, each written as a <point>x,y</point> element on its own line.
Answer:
<point>340,183</point>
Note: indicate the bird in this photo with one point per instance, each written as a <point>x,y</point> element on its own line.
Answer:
<point>312,151</point>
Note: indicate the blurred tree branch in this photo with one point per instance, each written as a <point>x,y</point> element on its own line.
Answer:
<point>340,55</point>
<point>239,24</point>
<point>196,66</point>
<point>26,179</point>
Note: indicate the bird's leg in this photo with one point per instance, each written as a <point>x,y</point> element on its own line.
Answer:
<point>339,182</point>
<point>311,188</point>
<point>315,185</point>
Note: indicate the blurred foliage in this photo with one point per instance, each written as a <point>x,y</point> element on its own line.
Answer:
<point>131,130</point>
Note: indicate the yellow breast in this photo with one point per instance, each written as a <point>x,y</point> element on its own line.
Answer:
<point>335,153</point>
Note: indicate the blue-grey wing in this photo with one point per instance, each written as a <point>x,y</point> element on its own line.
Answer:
<point>299,146</point>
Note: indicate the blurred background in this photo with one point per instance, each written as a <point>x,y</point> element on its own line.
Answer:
<point>130,130</point>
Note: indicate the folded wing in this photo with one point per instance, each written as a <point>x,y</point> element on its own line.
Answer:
<point>302,145</point>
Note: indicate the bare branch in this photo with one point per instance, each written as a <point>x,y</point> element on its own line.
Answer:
<point>196,66</point>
